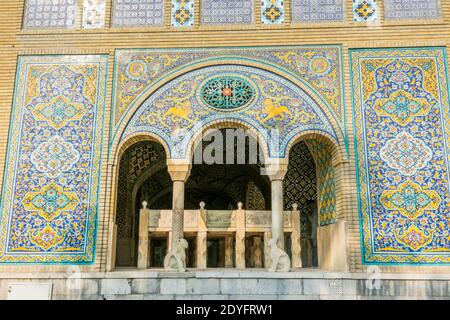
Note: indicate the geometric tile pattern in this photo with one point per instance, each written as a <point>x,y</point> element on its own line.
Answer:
<point>317,10</point>
<point>142,155</point>
<point>278,109</point>
<point>123,229</point>
<point>411,9</point>
<point>300,185</point>
<point>133,164</point>
<point>218,12</point>
<point>138,13</point>
<point>300,182</point>
<point>136,70</point>
<point>93,14</point>
<point>365,10</point>
<point>227,93</point>
<point>49,205</point>
<point>325,181</point>
<point>272,11</point>
<point>49,14</point>
<point>182,13</point>
<point>255,198</point>
<point>401,111</point>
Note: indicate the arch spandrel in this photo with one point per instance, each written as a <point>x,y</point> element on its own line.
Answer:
<point>318,68</point>
<point>271,105</point>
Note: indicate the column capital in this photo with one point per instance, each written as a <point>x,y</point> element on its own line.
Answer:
<point>276,168</point>
<point>179,169</point>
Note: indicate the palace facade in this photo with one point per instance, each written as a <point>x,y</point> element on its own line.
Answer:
<point>315,130</point>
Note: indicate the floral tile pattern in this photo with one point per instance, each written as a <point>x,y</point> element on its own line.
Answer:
<point>49,205</point>
<point>401,111</point>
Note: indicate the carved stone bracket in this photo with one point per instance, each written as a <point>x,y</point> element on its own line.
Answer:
<point>276,169</point>
<point>179,169</point>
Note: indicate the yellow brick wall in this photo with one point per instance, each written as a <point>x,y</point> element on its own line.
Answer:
<point>15,41</point>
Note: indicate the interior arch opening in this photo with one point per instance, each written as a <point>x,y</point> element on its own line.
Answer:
<point>300,187</point>
<point>222,182</point>
<point>227,170</point>
<point>142,176</point>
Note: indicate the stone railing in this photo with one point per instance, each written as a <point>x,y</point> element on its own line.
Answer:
<point>235,222</point>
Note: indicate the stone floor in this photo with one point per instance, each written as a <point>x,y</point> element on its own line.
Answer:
<point>236,284</point>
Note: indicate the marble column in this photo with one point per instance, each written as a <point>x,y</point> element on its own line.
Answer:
<point>296,238</point>
<point>277,211</point>
<point>179,172</point>
<point>240,237</point>
<point>276,170</point>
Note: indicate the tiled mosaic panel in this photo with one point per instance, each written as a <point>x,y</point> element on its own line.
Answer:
<point>217,12</point>
<point>320,67</point>
<point>49,13</point>
<point>411,9</point>
<point>50,198</point>
<point>272,11</point>
<point>135,13</point>
<point>317,10</point>
<point>401,114</point>
<point>365,10</point>
<point>300,185</point>
<point>182,13</point>
<point>94,14</point>
<point>276,108</point>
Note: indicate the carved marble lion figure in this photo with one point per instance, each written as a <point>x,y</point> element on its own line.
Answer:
<point>175,260</point>
<point>280,260</point>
